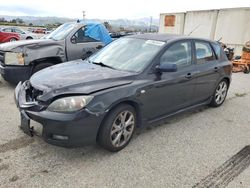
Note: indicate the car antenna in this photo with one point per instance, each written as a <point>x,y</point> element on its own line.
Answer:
<point>194,30</point>
<point>219,39</point>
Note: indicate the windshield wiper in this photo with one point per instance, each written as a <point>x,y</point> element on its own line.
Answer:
<point>103,65</point>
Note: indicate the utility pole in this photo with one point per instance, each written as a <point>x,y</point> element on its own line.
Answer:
<point>150,26</point>
<point>83,15</point>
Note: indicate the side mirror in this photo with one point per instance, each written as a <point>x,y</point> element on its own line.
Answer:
<point>166,67</point>
<point>73,39</point>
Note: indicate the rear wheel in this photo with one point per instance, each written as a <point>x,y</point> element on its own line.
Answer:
<point>118,128</point>
<point>220,94</point>
<point>13,39</point>
<point>41,66</point>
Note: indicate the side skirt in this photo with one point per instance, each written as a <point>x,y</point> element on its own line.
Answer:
<point>153,121</point>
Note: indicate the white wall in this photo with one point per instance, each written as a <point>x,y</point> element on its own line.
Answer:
<point>201,23</point>
<point>233,25</point>
<point>179,24</point>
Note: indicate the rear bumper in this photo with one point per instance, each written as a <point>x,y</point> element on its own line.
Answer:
<point>77,128</point>
<point>14,74</point>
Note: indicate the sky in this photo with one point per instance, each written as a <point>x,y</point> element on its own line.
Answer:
<point>110,9</point>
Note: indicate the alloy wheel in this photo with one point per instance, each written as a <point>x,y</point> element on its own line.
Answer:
<point>122,128</point>
<point>221,92</point>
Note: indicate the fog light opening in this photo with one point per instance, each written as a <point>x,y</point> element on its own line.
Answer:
<point>59,137</point>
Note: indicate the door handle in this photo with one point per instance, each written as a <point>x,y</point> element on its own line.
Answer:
<point>188,75</point>
<point>216,69</point>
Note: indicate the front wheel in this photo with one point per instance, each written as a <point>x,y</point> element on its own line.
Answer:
<point>220,94</point>
<point>118,128</point>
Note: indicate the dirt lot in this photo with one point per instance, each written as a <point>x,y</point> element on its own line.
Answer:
<point>180,153</point>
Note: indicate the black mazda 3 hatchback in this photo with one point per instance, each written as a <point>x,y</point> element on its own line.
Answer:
<point>134,81</point>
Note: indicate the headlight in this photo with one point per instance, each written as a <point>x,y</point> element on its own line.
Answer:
<point>12,58</point>
<point>69,104</point>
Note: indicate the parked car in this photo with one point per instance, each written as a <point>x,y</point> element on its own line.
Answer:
<point>8,37</point>
<point>40,30</point>
<point>68,42</point>
<point>134,81</point>
<point>30,29</point>
<point>49,31</point>
<point>24,35</point>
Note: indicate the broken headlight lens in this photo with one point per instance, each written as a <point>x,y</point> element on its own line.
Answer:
<point>69,104</point>
<point>12,58</point>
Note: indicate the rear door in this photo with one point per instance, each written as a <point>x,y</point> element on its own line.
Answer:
<point>80,46</point>
<point>207,64</point>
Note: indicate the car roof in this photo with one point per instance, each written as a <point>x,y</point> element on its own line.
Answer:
<point>165,37</point>
<point>13,28</point>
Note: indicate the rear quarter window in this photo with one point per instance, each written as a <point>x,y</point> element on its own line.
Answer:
<point>217,49</point>
<point>204,52</point>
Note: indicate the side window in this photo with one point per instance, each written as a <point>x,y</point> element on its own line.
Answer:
<point>17,31</point>
<point>179,54</point>
<point>7,30</point>
<point>80,36</point>
<point>217,49</point>
<point>204,52</point>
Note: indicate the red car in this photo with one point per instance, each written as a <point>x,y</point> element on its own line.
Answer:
<point>8,37</point>
<point>40,30</point>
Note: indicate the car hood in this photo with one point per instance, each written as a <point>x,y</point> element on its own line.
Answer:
<point>12,46</point>
<point>77,77</point>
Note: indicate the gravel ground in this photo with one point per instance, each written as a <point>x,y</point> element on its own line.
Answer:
<point>179,153</point>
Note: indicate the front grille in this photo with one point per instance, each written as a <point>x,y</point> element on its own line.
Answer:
<point>1,57</point>
<point>32,94</point>
<point>30,98</point>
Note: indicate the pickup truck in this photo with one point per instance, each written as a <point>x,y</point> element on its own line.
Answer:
<point>71,41</point>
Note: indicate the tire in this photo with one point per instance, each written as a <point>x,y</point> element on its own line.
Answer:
<point>246,70</point>
<point>41,66</point>
<point>122,133</point>
<point>220,93</point>
<point>29,38</point>
<point>13,39</point>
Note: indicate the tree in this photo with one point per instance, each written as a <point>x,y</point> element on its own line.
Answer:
<point>57,24</point>
<point>108,26</point>
<point>2,20</point>
<point>13,21</point>
<point>30,24</point>
<point>121,28</point>
<point>19,20</point>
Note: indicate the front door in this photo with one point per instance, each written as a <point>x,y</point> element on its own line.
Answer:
<point>80,46</point>
<point>171,91</point>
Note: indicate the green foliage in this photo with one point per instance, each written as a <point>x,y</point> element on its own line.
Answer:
<point>11,24</point>
<point>108,26</point>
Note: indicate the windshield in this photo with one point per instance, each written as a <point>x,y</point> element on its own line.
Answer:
<point>129,54</point>
<point>61,32</point>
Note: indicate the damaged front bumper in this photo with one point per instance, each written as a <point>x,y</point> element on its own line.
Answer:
<point>62,129</point>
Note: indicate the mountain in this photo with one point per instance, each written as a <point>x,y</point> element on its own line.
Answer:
<point>141,23</point>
